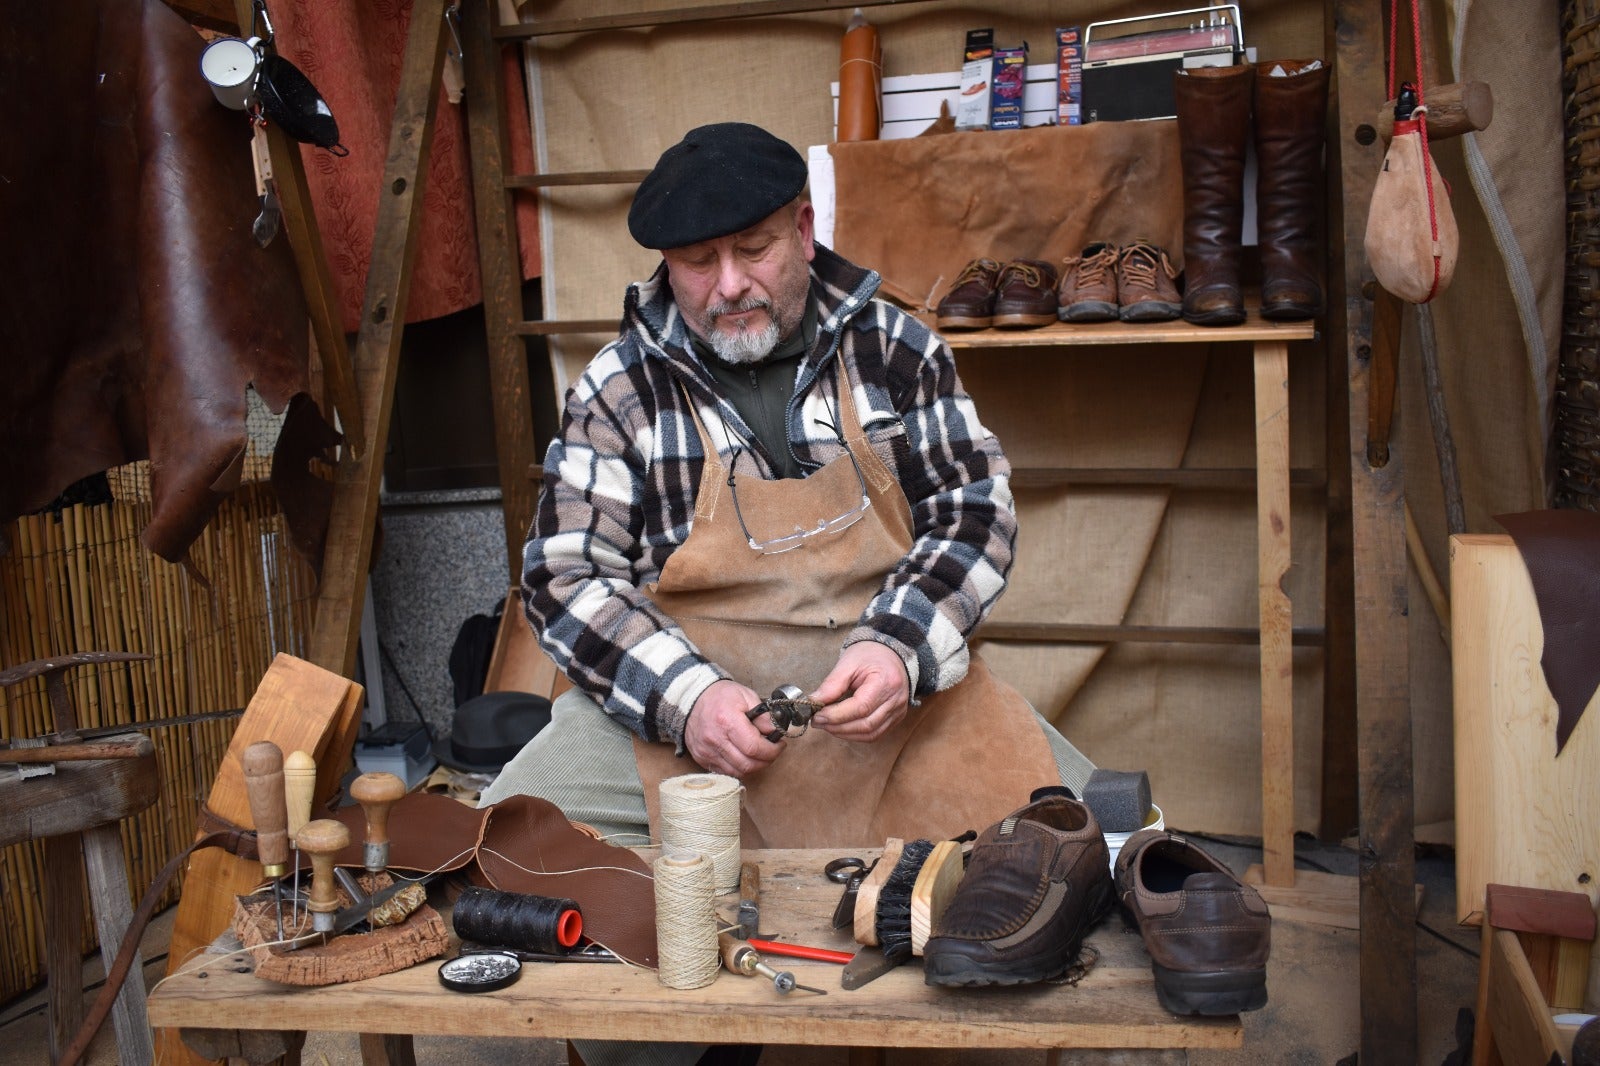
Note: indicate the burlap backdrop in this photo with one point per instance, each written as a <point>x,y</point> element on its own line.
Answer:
<point>1188,713</point>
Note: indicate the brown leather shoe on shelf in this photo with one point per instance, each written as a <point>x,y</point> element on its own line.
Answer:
<point>1147,289</point>
<point>1025,295</point>
<point>1089,286</point>
<point>1207,933</point>
<point>970,302</point>
<point>1036,882</point>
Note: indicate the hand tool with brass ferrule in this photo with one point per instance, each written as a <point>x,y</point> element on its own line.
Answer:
<point>744,960</point>
<point>263,779</point>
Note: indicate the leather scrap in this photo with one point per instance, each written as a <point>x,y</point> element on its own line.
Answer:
<point>1561,549</point>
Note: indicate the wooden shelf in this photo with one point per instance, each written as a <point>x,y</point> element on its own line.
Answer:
<point>1254,329</point>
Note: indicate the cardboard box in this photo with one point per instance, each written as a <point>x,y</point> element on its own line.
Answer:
<point>1069,76</point>
<point>977,77</point>
<point>1010,75</point>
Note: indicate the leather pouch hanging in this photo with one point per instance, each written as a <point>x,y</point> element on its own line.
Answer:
<point>1411,238</point>
<point>289,99</point>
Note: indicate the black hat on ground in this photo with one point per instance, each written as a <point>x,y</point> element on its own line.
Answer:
<point>718,180</point>
<point>489,729</point>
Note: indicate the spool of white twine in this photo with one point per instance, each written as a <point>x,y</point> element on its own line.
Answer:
<point>686,921</point>
<point>700,813</point>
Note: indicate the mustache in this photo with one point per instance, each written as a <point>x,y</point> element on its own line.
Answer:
<point>749,303</point>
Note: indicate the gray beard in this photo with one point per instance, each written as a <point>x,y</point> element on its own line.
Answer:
<point>742,346</point>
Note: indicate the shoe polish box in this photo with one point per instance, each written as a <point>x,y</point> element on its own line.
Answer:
<point>1010,76</point>
<point>1069,76</point>
<point>977,74</point>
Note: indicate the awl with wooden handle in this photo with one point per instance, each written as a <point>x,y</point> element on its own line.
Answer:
<point>744,960</point>
<point>263,781</point>
<point>377,792</point>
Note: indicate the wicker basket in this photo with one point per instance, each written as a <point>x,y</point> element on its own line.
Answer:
<point>1576,446</point>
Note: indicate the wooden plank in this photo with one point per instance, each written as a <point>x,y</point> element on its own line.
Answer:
<point>1388,968</point>
<point>1066,334</point>
<point>1517,1014</point>
<point>356,479</point>
<point>1084,633</point>
<point>500,266</point>
<point>1114,1005</point>
<point>582,177</point>
<point>1524,816</point>
<point>1540,910</point>
<point>1271,361</point>
<point>77,796</point>
<point>703,13</point>
<point>1316,898</point>
<point>517,663</point>
<point>63,928</point>
<point>106,865</point>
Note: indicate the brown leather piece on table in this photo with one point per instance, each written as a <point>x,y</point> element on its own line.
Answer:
<point>522,844</point>
<point>1561,550</point>
<point>137,303</point>
<point>917,210</point>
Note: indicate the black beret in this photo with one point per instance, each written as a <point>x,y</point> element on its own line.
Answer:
<point>718,180</point>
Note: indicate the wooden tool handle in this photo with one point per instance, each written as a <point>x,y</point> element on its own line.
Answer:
<point>377,792</point>
<point>750,882</point>
<point>737,956</point>
<point>263,782</point>
<point>300,784</point>
<point>322,839</point>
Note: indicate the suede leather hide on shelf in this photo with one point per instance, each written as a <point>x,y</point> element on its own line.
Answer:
<point>137,305</point>
<point>918,210</point>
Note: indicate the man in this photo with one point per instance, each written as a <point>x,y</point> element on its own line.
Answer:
<point>772,478</point>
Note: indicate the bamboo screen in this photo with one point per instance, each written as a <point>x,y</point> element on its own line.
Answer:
<point>77,579</point>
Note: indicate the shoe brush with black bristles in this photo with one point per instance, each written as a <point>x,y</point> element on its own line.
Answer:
<point>893,916</point>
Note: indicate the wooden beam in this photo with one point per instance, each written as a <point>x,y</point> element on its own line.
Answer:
<point>356,480</point>
<point>703,13</point>
<point>500,266</point>
<point>569,326</point>
<point>1271,362</point>
<point>580,177</point>
<point>1453,109</point>
<point>1220,479</point>
<point>1388,966</point>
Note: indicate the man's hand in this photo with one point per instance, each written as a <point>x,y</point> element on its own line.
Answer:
<point>721,738</point>
<point>865,695</point>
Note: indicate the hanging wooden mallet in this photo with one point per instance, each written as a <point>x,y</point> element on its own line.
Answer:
<point>377,792</point>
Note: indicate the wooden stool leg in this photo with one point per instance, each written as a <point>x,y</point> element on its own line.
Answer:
<point>387,1049</point>
<point>105,862</point>
<point>63,927</point>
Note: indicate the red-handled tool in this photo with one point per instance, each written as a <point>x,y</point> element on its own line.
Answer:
<point>800,951</point>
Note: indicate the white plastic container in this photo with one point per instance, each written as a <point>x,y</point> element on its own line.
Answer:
<point>1114,841</point>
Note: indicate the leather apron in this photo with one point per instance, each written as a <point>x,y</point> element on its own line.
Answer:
<point>962,759</point>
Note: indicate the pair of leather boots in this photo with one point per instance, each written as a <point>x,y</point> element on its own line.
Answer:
<point>1040,879</point>
<point>1289,102</point>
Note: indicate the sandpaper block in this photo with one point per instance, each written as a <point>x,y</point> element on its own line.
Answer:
<point>1120,799</point>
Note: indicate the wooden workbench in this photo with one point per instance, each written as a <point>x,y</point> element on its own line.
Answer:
<point>1113,1007</point>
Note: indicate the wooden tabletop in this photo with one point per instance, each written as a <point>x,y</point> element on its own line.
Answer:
<point>1113,1007</point>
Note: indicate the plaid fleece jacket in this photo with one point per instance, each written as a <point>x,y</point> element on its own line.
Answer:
<point>620,483</point>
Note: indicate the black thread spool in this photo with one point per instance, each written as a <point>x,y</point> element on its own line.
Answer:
<point>543,924</point>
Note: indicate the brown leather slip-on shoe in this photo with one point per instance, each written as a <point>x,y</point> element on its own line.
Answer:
<point>1089,286</point>
<point>1025,295</point>
<point>970,302</point>
<point>1036,882</point>
<point>1207,933</point>
<point>1147,289</point>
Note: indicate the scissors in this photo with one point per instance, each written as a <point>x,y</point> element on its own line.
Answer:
<point>848,871</point>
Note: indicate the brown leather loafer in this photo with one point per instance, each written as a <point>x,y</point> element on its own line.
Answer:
<point>1089,285</point>
<point>1036,882</point>
<point>970,302</point>
<point>1025,295</point>
<point>1207,932</point>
